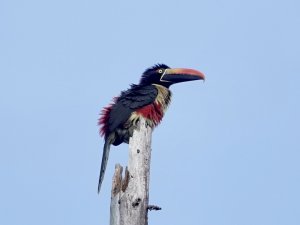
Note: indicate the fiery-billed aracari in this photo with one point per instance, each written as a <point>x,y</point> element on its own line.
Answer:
<point>148,99</point>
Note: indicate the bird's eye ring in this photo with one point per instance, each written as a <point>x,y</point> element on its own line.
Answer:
<point>160,70</point>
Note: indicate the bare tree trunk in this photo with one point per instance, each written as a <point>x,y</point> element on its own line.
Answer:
<point>130,196</point>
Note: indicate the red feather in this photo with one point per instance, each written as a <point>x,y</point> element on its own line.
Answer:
<point>152,112</point>
<point>103,120</point>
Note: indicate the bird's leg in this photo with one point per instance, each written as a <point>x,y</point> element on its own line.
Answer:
<point>134,126</point>
<point>127,134</point>
<point>129,129</point>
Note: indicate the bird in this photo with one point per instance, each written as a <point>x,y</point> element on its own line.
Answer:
<point>148,99</point>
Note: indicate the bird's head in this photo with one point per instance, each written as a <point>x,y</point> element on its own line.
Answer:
<point>163,75</point>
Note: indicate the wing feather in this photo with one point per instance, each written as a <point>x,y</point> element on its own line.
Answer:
<point>130,100</point>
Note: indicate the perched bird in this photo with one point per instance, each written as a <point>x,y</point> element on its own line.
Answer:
<point>148,99</point>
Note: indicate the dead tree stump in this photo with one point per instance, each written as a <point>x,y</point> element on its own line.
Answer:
<point>130,195</point>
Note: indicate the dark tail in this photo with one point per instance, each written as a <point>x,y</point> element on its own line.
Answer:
<point>105,155</point>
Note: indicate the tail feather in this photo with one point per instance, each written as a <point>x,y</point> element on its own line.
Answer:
<point>105,155</point>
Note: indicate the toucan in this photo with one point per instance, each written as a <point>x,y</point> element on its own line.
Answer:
<point>148,99</point>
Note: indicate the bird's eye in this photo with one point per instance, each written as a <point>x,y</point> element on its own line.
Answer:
<point>160,71</point>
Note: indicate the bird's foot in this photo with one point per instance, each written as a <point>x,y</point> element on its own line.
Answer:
<point>148,124</point>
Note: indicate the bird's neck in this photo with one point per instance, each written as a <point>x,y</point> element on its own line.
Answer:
<point>163,97</point>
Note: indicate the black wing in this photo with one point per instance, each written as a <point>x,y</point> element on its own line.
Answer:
<point>130,100</point>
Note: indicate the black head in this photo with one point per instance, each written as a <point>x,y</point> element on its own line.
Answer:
<point>153,75</point>
<point>163,75</point>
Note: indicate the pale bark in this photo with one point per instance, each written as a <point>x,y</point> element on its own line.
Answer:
<point>115,196</point>
<point>130,198</point>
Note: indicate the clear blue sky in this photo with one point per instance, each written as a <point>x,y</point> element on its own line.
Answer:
<point>227,152</point>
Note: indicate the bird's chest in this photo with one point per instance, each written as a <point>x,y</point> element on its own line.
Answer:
<point>154,112</point>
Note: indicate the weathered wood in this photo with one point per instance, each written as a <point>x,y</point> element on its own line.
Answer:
<point>132,199</point>
<point>134,202</point>
<point>115,196</point>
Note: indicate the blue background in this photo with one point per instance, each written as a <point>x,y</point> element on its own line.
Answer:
<point>227,151</point>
